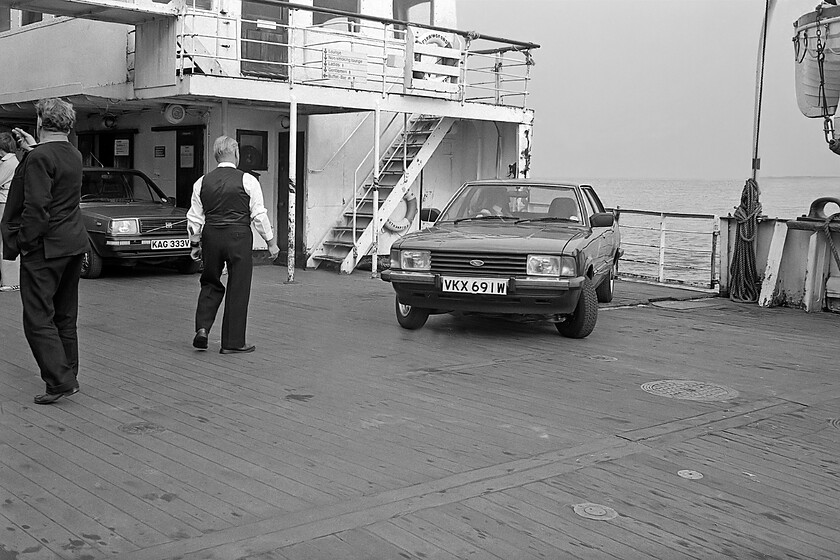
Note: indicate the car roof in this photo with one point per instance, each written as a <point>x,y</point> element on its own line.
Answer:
<point>529,182</point>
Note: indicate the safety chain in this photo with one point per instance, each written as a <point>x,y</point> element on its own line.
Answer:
<point>828,125</point>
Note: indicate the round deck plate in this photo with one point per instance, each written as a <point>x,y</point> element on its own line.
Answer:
<point>595,511</point>
<point>689,390</point>
<point>690,475</point>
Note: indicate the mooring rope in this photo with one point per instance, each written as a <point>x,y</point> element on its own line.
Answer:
<point>744,285</point>
<point>827,230</point>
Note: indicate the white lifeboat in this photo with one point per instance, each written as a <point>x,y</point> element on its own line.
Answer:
<point>815,30</point>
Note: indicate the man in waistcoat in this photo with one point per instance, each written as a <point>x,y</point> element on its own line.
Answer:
<point>43,224</point>
<point>225,202</point>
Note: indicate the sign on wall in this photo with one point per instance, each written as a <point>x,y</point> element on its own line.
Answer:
<point>121,146</point>
<point>344,65</point>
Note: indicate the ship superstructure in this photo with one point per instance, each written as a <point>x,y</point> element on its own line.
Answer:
<point>354,114</point>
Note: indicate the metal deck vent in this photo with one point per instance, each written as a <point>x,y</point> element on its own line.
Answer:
<point>595,511</point>
<point>690,475</point>
<point>141,428</point>
<point>689,390</point>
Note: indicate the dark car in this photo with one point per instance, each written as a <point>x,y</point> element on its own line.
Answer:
<point>520,248</point>
<point>130,220</point>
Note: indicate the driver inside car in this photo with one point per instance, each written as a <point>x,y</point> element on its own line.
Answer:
<point>494,202</point>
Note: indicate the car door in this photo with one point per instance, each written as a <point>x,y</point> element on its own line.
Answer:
<point>606,235</point>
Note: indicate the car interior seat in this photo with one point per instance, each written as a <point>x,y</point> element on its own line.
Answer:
<point>564,207</point>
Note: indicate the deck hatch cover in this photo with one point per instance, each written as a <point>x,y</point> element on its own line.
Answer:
<point>689,390</point>
<point>595,511</point>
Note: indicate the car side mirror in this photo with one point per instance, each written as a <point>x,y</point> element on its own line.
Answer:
<point>602,219</point>
<point>429,214</point>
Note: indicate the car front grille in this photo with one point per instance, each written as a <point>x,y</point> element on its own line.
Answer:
<point>163,225</point>
<point>464,263</point>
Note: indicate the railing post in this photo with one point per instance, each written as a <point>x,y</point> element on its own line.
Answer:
<point>662,219</point>
<point>374,273</point>
<point>715,238</point>
<point>498,70</point>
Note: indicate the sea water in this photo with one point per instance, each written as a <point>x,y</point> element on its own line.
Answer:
<point>780,197</point>
<point>688,256</point>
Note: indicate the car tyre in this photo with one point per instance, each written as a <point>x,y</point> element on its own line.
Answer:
<point>410,317</point>
<point>91,264</point>
<point>582,322</point>
<point>607,287</point>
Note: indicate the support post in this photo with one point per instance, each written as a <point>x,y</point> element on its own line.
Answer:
<point>290,260</point>
<point>377,116</point>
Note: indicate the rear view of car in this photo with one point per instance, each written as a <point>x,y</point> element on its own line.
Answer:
<point>129,220</point>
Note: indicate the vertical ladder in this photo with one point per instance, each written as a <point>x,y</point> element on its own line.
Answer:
<point>400,164</point>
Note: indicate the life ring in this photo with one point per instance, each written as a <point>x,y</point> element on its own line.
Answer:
<point>402,224</point>
<point>438,40</point>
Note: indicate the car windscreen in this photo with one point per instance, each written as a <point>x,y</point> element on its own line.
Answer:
<point>509,203</point>
<point>117,186</point>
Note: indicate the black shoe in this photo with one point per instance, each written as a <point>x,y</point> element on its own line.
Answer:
<point>244,350</point>
<point>49,398</point>
<point>200,340</point>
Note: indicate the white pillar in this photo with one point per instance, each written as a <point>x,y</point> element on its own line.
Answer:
<point>290,260</point>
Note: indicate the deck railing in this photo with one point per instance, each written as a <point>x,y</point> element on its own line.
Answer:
<point>670,247</point>
<point>354,51</point>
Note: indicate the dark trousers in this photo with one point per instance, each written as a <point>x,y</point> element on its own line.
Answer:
<point>49,291</point>
<point>229,245</point>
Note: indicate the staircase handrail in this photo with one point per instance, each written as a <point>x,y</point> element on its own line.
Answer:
<point>346,141</point>
<point>359,186</point>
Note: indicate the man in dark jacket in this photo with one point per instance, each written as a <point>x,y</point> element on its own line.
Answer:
<point>224,205</point>
<point>43,224</point>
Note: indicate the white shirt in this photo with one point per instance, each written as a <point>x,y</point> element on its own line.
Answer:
<point>259,215</point>
<point>8,163</point>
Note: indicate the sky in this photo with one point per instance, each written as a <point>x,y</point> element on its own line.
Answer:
<point>659,88</point>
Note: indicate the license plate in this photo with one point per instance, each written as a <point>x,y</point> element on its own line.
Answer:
<point>170,244</point>
<point>484,286</point>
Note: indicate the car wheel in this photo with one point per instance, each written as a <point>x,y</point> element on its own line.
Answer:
<point>582,322</point>
<point>410,317</point>
<point>91,264</point>
<point>188,266</point>
<point>606,288</point>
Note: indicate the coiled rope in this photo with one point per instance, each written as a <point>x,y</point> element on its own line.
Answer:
<point>745,285</point>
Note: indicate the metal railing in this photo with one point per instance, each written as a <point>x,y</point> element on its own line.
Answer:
<point>355,51</point>
<point>670,247</point>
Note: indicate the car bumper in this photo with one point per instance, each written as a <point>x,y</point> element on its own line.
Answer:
<point>136,248</point>
<point>539,296</point>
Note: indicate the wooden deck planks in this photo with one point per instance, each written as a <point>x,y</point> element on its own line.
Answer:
<point>253,446</point>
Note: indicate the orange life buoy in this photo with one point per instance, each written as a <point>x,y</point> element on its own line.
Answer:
<point>403,223</point>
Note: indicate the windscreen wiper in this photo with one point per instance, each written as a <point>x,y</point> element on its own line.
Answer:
<point>491,217</point>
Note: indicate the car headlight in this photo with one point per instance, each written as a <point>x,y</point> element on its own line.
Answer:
<point>123,227</point>
<point>551,265</point>
<point>415,260</point>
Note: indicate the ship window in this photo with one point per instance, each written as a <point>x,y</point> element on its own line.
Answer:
<point>318,18</point>
<point>5,19</point>
<point>414,11</point>
<point>201,4</point>
<point>27,17</point>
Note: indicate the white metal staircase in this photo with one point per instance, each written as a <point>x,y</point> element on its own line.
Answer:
<point>400,164</point>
